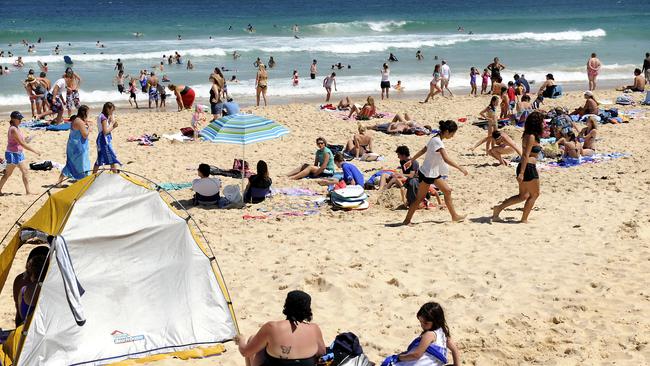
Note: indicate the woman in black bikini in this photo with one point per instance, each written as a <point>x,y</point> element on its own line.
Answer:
<point>527,175</point>
<point>291,342</point>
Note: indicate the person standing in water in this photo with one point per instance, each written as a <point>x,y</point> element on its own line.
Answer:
<point>385,82</point>
<point>327,84</point>
<point>313,69</point>
<point>593,68</point>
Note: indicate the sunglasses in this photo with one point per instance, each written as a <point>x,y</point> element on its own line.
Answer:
<point>320,143</point>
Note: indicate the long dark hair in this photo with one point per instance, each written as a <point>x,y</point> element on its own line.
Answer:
<point>448,125</point>
<point>262,169</point>
<point>107,106</point>
<point>534,125</point>
<point>436,68</point>
<point>432,312</point>
<point>82,112</point>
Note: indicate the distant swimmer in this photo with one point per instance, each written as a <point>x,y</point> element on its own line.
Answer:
<point>461,29</point>
<point>235,55</point>
<point>230,27</point>
<point>190,65</point>
<point>250,28</point>
<point>419,56</point>
<point>257,62</point>
<point>271,62</point>
<point>470,32</point>
<point>138,34</point>
<point>295,28</point>
<point>179,37</point>
<point>296,36</point>
<point>98,44</point>
<point>210,38</point>
<point>234,79</point>
<point>392,58</point>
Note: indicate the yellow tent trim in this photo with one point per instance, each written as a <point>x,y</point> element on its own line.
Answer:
<point>199,352</point>
<point>50,219</point>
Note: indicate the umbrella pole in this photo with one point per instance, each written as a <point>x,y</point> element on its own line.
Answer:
<point>243,173</point>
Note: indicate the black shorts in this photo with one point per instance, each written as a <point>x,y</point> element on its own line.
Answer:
<point>120,88</point>
<point>427,180</point>
<point>385,84</point>
<point>530,173</point>
<point>216,108</point>
<point>132,95</point>
<point>312,76</point>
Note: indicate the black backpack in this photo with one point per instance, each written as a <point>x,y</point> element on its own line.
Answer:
<point>43,165</point>
<point>345,346</point>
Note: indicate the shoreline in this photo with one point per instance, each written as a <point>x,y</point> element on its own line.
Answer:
<point>249,101</point>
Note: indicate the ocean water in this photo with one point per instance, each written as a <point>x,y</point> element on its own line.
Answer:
<point>534,39</point>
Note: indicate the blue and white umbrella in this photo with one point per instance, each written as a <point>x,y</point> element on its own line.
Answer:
<point>242,129</point>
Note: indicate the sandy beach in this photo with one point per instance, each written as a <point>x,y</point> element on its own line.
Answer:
<point>569,288</point>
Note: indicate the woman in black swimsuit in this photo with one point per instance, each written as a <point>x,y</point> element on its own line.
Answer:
<point>291,342</point>
<point>527,175</point>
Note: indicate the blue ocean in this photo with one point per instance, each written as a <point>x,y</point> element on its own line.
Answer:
<point>533,38</point>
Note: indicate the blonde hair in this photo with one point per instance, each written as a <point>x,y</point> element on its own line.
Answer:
<point>371,101</point>
<point>361,128</point>
<point>594,122</point>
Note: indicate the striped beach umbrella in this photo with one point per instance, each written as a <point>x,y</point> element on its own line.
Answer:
<point>243,129</point>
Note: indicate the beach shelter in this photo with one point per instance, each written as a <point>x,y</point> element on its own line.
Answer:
<point>242,129</point>
<point>129,276</point>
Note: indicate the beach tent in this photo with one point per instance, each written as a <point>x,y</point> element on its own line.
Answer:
<point>129,277</point>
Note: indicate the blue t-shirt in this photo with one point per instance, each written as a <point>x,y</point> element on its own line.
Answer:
<point>351,172</point>
<point>231,108</point>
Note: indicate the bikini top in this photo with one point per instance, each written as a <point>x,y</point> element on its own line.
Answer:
<point>536,149</point>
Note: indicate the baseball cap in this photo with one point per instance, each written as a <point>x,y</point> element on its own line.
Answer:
<point>16,115</point>
<point>588,93</point>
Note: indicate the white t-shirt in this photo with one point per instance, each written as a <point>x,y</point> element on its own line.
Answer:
<point>207,187</point>
<point>61,84</point>
<point>384,75</point>
<point>434,166</point>
<point>445,71</point>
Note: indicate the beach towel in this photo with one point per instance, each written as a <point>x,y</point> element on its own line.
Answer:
<point>294,191</point>
<point>77,165</point>
<point>177,137</point>
<point>596,158</point>
<point>59,127</point>
<point>174,186</point>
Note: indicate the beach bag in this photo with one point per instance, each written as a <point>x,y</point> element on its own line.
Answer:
<point>624,100</point>
<point>346,350</point>
<point>335,148</point>
<point>43,165</point>
<point>232,194</point>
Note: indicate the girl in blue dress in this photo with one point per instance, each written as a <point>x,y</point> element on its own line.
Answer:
<point>106,123</point>
<point>77,165</point>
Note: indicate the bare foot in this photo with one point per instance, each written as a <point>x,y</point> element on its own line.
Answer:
<point>495,215</point>
<point>459,218</point>
<point>522,221</point>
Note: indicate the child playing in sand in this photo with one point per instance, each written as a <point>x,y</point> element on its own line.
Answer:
<point>198,119</point>
<point>473,73</point>
<point>14,155</point>
<point>132,93</point>
<point>399,87</point>
<point>434,168</point>
<point>490,114</point>
<point>505,103</point>
<point>106,123</point>
<point>163,96</point>
<point>430,348</point>
<point>485,80</point>
<point>294,78</point>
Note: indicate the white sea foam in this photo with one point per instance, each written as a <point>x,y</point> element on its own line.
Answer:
<point>376,26</point>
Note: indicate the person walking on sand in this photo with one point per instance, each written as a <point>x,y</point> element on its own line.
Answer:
<point>14,156</point>
<point>261,83</point>
<point>327,84</point>
<point>445,73</point>
<point>385,82</point>
<point>106,123</point>
<point>527,176</point>
<point>593,68</point>
<point>434,168</point>
<point>313,69</point>
<point>433,85</point>
<point>77,165</point>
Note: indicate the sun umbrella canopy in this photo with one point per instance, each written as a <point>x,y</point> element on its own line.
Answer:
<point>243,129</point>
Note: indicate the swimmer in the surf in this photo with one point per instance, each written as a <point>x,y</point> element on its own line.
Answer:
<point>235,55</point>
<point>179,37</point>
<point>392,58</point>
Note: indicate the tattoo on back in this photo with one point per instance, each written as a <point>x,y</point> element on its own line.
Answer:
<point>285,350</point>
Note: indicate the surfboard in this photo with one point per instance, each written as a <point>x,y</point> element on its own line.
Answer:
<point>349,192</point>
<point>67,60</point>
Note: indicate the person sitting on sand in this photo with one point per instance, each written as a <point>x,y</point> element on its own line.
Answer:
<point>323,163</point>
<point>29,280</point>
<point>590,107</point>
<point>363,113</point>
<point>430,348</point>
<point>259,185</point>
<point>589,134</point>
<point>28,294</point>
<point>570,145</point>
<point>638,84</point>
<point>503,145</point>
<point>206,189</point>
<point>434,168</point>
<point>294,341</point>
<point>399,87</point>
<point>351,174</point>
<point>360,143</point>
<point>344,104</point>
<point>548,87</point>
<point>522,109</point>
